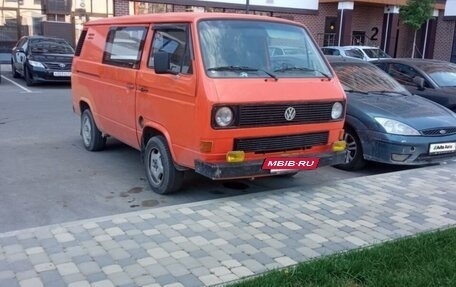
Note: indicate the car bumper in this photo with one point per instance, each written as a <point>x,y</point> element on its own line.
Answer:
<point>43,75</point>
<point>250,169</point>
<point>404,150</point>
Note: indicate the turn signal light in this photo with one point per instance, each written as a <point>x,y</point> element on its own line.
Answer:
<point>205,146</point>
<point>235,156</point>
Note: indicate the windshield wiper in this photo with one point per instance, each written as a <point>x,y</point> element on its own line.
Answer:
<point>242,69</point>
<point>389,92</point>
<point>356,91</point>
<point>285,69</point>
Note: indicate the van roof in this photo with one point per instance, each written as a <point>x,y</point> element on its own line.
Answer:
<point>181,17</point>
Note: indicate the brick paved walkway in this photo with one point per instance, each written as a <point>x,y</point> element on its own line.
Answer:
<point>217,241</point>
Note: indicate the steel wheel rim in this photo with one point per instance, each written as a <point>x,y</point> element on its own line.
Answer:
<point>156,169</point>
<point>86,131</point>
<point>352,147</point>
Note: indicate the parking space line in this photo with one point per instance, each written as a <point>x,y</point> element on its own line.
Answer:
<point>14,83</point>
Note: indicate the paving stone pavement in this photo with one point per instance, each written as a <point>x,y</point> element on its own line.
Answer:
<point>218,241</point>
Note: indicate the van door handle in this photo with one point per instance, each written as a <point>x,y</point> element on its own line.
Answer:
<point>130,86</point>
<point>143,90</point>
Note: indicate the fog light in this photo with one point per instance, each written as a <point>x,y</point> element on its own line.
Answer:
<point>339,146</point>
<point>205,146</point>
<point>235,156</point>
<point>399,157</point>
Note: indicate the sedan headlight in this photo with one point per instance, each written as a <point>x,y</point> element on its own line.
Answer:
<point>224,116</point>
<point>337,110</point>
<point>36,64</point>
<point>396,127</point>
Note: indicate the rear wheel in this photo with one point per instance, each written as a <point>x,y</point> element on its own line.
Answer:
<point>91,136</point>
<point>355,156</point>
<point>161,173</point>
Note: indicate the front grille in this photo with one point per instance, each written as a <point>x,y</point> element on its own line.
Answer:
<point>440,131</point>
<point>56,66</point>
<point>281,143</point>
<point>268,115</point>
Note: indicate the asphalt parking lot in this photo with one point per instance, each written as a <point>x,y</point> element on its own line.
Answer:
<point>47,177</point>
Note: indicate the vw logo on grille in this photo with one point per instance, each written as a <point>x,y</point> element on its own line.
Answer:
<point>62,65</point>
<point>442,132</point>
<point>290,113</point>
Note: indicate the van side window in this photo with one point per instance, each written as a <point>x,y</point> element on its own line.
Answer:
<point>124,46</point>
<point>175,42</point>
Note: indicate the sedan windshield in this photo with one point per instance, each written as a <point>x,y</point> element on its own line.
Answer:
<point>444,75</point>
<point>366,78</point>
<point>375,53</point>
<point>241,48</point>
<point>51,46</point>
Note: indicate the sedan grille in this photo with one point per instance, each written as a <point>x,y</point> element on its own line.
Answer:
<point>268,115</point>
<point>281,143</point>
<point>58,66</point>
<point>440,131</point>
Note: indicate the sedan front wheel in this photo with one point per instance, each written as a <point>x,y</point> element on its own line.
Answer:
<point>355,157</point>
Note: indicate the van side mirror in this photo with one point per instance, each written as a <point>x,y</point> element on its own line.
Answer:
<point>162,63</point>
<point>419,81</point>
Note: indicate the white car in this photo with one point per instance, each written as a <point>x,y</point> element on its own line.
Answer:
<point>366,53</point>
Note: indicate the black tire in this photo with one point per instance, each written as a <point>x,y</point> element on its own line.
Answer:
<point>14,72</point>
<point>356,159</point>
<point>28,77</point>
<point>162,175</point>
<point>92,138</point>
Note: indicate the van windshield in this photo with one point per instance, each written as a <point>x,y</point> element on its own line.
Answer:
<point>244,48</point>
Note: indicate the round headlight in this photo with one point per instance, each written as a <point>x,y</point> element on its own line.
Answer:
<point>337,110</point>
<point>224,117</point>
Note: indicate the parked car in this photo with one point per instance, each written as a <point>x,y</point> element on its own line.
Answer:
<point>386,123</point>
<point>286,50</point>
<point>42,59</point>
<point>366,53</point>
<point>432,79</point>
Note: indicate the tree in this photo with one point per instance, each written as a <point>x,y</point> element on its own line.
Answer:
<point>415,13</point>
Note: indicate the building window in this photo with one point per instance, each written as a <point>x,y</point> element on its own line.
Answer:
<point>194,9</point>
<point>37,2</point>
<point>37,26</point>
<point>146,8</point>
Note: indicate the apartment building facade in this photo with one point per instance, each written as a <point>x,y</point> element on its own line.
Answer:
<point>331,22</point>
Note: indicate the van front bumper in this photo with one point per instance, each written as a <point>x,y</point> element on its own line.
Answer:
<point>248,169</point>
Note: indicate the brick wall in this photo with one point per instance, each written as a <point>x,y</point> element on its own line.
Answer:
<point>444,39</point>
<point>314,22</point>
<point>121,8</point>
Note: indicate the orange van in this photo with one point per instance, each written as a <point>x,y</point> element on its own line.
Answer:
<point>204,92</point>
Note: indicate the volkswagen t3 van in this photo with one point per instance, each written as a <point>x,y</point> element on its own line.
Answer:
<point>202,92</point>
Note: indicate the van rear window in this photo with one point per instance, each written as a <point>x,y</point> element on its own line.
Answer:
<point>124,45</point>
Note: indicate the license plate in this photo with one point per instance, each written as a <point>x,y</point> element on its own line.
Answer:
<point>62,74</point>
<point>442,148</point>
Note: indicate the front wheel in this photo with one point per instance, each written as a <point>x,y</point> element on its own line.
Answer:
<point>13,70</point>
<point>355,157</point>
<point>28,77</point>
<point>161,173</point>
<point>91,136</point>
